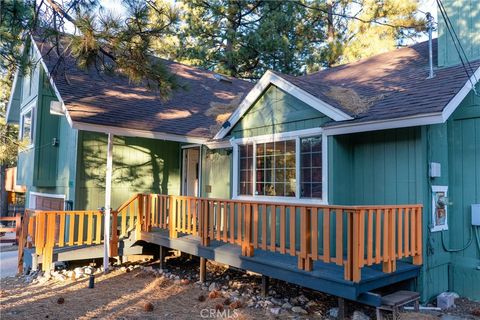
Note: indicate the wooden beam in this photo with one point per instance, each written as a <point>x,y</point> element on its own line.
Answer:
<point>265,285</point>
<point>203,269</point>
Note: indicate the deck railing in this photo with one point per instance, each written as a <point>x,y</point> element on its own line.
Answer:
<point>349,236</point>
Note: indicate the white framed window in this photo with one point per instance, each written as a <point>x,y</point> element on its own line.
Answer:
<point>27,124</point>
<point>289,167</point>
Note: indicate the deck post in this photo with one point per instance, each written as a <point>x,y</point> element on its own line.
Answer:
<point>163,253</point>
<point>108,193</point>
<point>341,308</point>
<point>203,269</point>
<point>265,285</point>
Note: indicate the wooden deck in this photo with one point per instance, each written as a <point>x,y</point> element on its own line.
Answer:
<point>343,250</point>
<point>324,277</point>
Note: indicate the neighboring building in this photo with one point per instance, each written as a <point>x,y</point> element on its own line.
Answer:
<point>374,132</point>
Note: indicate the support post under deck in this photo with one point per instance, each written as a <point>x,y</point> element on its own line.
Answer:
<point>265,285</point>
<point>341,308</point>
<point>203,269</point>
<point>162,256</point>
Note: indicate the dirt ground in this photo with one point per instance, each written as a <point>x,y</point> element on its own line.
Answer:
<point>123,295</point>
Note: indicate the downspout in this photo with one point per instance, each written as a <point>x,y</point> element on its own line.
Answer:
<point>108,196</point>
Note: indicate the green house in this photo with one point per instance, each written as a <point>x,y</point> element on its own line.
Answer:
<point>378,132</point>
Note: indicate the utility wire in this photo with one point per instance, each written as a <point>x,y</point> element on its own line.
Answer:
<point>458,46</point>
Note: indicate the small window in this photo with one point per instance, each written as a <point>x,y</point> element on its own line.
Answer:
<point>311,167</point>
<point>26,130</point>
<point>246,169</point>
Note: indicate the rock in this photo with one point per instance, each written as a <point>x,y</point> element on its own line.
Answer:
<point>201,298</point>
<point>227,302</point>
<point>276,301</point>
<point>333,312</point>
<point>311,304</point>
<point>60,300</point>
<point>299,310</point>
<point>275,311</point>
<point>184,281</point>
<point>236,305</point>
<point>359,315</point>
<point>70,274</point>
<point>287,306</point>
<point>123,269</point>
<point>78,272</point>
<point>60,277</point>
<point>213,286</point>
<point>213,294</point>
<point>88,270</point>
<point>219,307</point>
<point>148,307</point>
<point>302,299</point>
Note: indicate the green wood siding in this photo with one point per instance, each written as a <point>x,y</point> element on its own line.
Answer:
<point>277,111</point>
<point>139,165</point>
<point>465,17</point>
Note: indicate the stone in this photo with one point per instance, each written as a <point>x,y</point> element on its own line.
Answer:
<point>311,304</point>
<point>359,315</point>
<point>302,299</point>
<point>275,311</point>
<point>70,274</point>
<point>148,307</point>
<point>299,310</point>
<point>333,312</point>
<point>60,277</point>
<point>287,306</point>
<point>88,270</point>
<point>276,301</point>
<point>60,300</point>
<point>78,272</point>
<point>213,286</point>
<point>201,298</point>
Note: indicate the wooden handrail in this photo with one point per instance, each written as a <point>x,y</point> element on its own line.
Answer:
<point>350,236</point>
<point>374,234</point>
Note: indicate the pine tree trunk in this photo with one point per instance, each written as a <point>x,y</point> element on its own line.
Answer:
<point>3,192</point>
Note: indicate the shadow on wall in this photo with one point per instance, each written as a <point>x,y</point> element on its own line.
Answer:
<point>139,165</point>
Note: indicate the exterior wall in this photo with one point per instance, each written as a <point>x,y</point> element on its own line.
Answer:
<point>465,17</point>
<point>45,167</point>
<point>276,111</point>
<point>139,165</point>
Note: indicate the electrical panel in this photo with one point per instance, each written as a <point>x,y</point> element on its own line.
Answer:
<point>476,215</point>
<point>435,170</point>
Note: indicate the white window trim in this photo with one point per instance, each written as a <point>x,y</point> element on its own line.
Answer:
<point>41,194</point>
<point>29,107</point>
<point>292,135</point>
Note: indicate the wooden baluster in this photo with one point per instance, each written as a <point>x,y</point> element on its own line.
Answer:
<point>225,222</point>
<point>239,224</point>
<point>218,220</point>
<point>339,236</point>
<point>314,230</point>
<point>378,235</point>
<point>293,249</point>
<point>418,258</point>
<point>255,225</point>
<point>283,230</point>
<point>89,227</point>
<point>71,230</point>
<point>173,217</point>
<point>206,223</point>
<point>211,220</point>
<point>114,232</point>
<point>247,247</point>
<point>232,223</point>
<point>264,227</point>
<point>273,228</point>
<point>98,236</point>
<point>189,216</point>
<point>350,246</point>
<point>61,231</point>
<point>131,210</point>
<point>407,232</point>
<point>358,243</point>
<point>40,233</point>
<point>387,244</point>
<point>81,219</point>
<point>304,260</point>
<point>400,233</point>
<point>31,229</point>
<point>196,208</point>
<point>361,238</point>
<point>326,235</point>
<point>370,238</point>
<point>148,213</point>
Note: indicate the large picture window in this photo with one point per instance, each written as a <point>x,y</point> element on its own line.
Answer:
<point>290,168</point>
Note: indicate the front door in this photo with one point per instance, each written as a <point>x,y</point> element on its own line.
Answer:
<point>191,172</point>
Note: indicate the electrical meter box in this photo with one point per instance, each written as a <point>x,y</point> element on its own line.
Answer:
<point>476,214</point>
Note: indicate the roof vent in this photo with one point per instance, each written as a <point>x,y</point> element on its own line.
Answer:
<point>220,77</point>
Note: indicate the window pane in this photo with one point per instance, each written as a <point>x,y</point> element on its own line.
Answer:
<point>27,126</point>
<point>246,170</point>
<point>311,167</point>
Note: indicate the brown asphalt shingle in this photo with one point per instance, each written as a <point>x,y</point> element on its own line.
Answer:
<point>393,84</point>
<point>198,110</point>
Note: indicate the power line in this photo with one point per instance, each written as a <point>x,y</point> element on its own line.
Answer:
<point>458,46</point>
